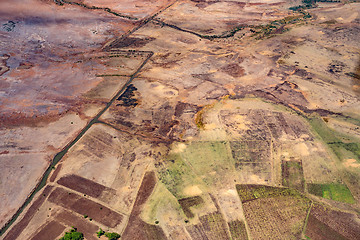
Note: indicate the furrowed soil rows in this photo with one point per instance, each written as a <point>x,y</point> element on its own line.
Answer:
<point>82,224</point>
<point>137,228</point>
<point>19,227</point>
<point>293,175</point>
<point>186,203</point>
<point>50,231</point>
<point>85,206</point>
<point>85,186</point>
<point>238,230</point>
<point>212,226</point>
<point>325,223</point>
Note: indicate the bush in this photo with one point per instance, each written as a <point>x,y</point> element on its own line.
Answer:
<point>100,233</point>
<point>73,235</point>
<point>112,236</point>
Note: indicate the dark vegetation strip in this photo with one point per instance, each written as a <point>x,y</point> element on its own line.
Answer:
<point>307,218</point>
<point>111,75</point>
<point>238,230</point>
<point>60,155</point>
<point>62,2</point>
<point>258,30</point>
<point>55,173</point>
<point>228,34</point>
<point>19,227</point>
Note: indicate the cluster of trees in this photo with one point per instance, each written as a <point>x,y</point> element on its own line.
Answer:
<point>73,234</point>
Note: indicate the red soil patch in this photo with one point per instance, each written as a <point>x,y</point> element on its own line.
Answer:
<point>136,228</point>
<point>84,186</point>
<point>82,224</point>
<point>21,225</point>
<point>145,190</point>
<point>51,230</point>
<point>233,70</point>
<point>329,224</point>
<point>85,206</point>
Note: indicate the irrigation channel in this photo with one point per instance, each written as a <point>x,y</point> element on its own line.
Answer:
<point>61,154</point>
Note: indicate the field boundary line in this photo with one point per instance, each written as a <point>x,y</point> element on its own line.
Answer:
<point>306,220</point>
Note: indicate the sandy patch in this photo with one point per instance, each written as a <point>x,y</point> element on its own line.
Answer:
<point>302,149</point>
<point>351,163</point>
<point>178,148</point>
<point>192,190</point>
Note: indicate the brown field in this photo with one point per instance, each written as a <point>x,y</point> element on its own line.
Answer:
<point>16,230</point>
<point>82,224</point>
<point>272,212</point>
<point>137,228</point>
<point>238,230</point>
<point>186,203</point>
<point>85,206</point>
<point>276,218</point>
<point>51,230</point>
<point>212,226</point>
<point>326,223</point>
<point>319,230</point>
<point>293,175</point>
<point>85,186</point>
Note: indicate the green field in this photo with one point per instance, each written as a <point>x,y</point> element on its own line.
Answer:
<point>342,149</point>
<point>199,163</point>
<point>333,191</point>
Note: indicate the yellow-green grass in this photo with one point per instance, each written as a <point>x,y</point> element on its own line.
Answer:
<point>160,200</point>
<point>176,175</point>
<point>211,160</point>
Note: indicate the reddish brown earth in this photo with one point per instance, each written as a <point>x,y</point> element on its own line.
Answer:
<point>137,228</point>
<point>325,223</point>
<point>84,186</point>
<point>16,230</point>
<point>51,230</point>
<point>48,73</point>
<point>85,206</point>
<point>82,224</point>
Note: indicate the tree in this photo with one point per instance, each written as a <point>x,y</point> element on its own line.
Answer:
<point>73,235</point>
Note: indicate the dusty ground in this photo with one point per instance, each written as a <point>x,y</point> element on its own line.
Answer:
<point>182,104</point>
